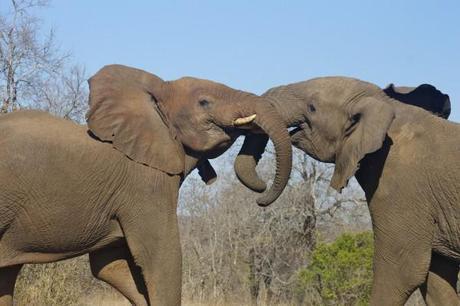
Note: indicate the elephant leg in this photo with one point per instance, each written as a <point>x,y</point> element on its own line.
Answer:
<point>152,234</point>
<point>395,279</point>
<point>440,286</point>
<point>8,277</point>
<point>402,254</point>
<point>115,266</point>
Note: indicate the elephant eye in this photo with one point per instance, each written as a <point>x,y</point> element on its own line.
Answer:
<point>311,108</point>
<point>204,103</point>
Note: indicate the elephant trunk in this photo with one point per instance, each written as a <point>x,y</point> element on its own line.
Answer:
<point>273,125</point>
<point>247,159</point>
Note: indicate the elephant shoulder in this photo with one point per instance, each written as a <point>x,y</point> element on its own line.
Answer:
<point>31,138</point>
<point>36,124</point>
<point>33,130</point>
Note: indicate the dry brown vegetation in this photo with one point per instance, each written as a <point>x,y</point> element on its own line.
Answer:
<point>62,283</point>
<point>232,247</point>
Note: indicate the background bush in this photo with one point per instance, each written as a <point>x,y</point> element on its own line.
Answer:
<point>341,271</point>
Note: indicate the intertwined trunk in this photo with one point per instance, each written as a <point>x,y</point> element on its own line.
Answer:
<point>272,124</point>
<point>254,146</point>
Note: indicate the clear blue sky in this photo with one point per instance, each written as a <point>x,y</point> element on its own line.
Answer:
<point>254,45</point>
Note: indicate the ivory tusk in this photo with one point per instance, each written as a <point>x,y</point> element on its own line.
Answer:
<point>245,120</point>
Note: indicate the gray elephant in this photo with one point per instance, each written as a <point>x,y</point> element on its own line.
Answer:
<point>406,161</point>
<point>110,189</point>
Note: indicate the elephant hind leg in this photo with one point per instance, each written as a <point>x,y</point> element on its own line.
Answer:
<point>441,283</point>
<point>116,267</point>
<point>8,277</point>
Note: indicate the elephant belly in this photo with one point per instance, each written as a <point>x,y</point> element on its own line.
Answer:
<point>447,220</point>
<point>447,243</point>
<point>26,243</point>
<point>447,231</point>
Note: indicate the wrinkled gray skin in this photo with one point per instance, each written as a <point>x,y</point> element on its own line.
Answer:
<point>405,159</point>
<point>110,189</point>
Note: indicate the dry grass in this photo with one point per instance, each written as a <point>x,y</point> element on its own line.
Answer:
<point>109,299</point>
<point>416,299</point>
<point>70,283</point>
<point>60,283</point>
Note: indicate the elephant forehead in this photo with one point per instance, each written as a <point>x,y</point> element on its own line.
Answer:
<point>337,86</point>
<point>195,87</point>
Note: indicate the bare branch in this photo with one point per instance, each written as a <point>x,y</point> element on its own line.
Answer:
<point>34,73</point>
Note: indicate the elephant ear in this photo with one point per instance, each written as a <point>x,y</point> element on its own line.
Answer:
<point>425,96</point>
<point>124,111</point>
<point>368,122</point>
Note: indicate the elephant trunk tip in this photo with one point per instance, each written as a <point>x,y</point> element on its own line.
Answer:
<point>244,169</point>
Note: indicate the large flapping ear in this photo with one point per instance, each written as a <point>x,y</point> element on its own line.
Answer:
<point>425,96</point>
<point>123,111</point>
<point>365,131</point>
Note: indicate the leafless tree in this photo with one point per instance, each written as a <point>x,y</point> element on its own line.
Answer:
<point>65,96</point>
<point>235,249</point>
<point>33,71</point>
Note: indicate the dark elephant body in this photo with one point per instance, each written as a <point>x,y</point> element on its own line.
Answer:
<point>425,96</point>
<point>407,162</point>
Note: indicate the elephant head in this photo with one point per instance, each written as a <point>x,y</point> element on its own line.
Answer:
<point>174,126</point>
<point>337,120</point>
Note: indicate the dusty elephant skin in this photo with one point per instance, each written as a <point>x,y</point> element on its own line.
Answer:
<point>405,159</point>
<point>111,190</point>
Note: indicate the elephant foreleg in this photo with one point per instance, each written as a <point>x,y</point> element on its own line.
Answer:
<point>152,236</point>
<point>397,277</point>
<point>115,266</point>
<point>402,254</point>
<point>440,286</point>
<point>8,277</point>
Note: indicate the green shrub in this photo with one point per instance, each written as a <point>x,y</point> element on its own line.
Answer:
<point>341,271</point>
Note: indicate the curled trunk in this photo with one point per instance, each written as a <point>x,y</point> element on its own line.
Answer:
<point>273,125</point>
<point>247,159</point>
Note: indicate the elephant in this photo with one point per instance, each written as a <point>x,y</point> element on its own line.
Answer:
<point>404,158</point>
<point>425,96</point>
<point>110,188</point>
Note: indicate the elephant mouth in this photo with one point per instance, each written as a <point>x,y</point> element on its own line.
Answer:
<point>294,130</point>
<point>301,141</point>
<point>300,127</point>
<point>216,148</point>
<point>220,138</point>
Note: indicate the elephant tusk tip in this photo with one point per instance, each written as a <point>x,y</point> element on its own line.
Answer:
<point>244,120</point>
